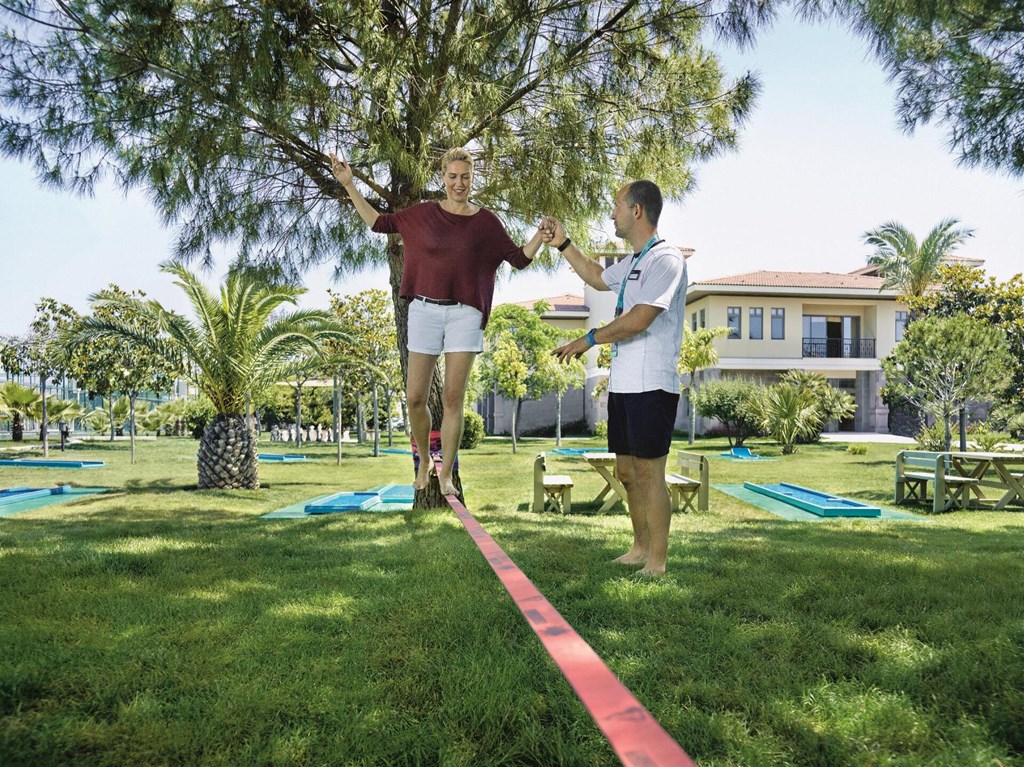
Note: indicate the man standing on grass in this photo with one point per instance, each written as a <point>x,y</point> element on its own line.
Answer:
<point>643,386</point>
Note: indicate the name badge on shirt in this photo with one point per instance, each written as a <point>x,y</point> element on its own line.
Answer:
<point>634,275</point>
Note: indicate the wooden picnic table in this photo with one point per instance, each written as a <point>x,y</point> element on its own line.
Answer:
<point>604,464</point>
<point>991,470</point>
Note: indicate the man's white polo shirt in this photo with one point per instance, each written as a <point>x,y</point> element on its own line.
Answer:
<point>647,361</point>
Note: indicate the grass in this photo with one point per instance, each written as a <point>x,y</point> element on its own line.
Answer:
<point>159,625</point>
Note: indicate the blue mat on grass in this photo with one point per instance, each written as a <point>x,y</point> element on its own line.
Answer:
<point>388,498</point>
<point>792,513</point>
<point>45,463</point>
<point>282,457</point>
<point>32,498</point>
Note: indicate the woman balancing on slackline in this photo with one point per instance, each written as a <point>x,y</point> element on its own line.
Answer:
<point>453,249</point>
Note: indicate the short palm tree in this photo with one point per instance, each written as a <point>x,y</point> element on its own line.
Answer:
<point>19,402</point>
<point>906,265</point>
<point>238,344</point>
<point>788,414</point>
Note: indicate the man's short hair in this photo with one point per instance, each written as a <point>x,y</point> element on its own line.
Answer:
<point>647,195</point>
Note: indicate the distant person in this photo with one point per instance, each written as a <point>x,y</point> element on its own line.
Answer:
<point>646,335</point>
<point>453,249</point>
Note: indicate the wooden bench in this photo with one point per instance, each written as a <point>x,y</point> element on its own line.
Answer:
<point>683,487</point>
<point>552,491</point>
<point>916,468</point>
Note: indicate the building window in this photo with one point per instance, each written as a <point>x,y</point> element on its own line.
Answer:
<point>756,323</point>
<point>693,322</point>
<point>703,324</point>
<point>778,324</point>
<point>901,325</point>
<point>735,322</point>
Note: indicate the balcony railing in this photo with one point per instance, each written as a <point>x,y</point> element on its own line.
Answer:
<point>851,348</point>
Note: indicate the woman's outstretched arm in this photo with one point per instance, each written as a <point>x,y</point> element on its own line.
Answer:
<point>343,172</point>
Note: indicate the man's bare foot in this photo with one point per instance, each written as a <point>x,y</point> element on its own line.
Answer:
<point>633,557</point>
<point>447,486</point>
<point>652,572</point>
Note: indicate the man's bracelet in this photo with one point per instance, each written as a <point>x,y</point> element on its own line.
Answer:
<point>590,337</point>
<point>565,244</point>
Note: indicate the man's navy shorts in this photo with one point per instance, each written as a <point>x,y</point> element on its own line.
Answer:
<point>641,424</point>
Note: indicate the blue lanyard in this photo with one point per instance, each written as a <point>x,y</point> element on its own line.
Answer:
<point>622,286</point>
<point>636,262</point>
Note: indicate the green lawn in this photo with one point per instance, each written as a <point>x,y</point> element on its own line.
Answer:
<point>159,625</point>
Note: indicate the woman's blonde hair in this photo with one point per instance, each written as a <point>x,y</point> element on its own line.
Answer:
<point>456,154</point>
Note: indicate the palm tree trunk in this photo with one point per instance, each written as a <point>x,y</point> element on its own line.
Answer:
<point>227,455</point>
<point>110,407</point>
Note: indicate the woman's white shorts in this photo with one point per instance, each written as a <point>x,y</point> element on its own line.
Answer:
<point>434,328</point>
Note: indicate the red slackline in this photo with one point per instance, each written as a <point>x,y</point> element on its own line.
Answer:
<point>631,731</point>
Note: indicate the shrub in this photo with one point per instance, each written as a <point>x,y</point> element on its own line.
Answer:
<point>988,441</point>
<point>932,437</point>
<point>857,449</point>
<point>199,413</point>
<point>473,431</point>
<point>601,429</point>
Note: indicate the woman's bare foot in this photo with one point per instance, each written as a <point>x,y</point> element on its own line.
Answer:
<point>632,557</point>
<point>422,480</point>
<point>447,486</point>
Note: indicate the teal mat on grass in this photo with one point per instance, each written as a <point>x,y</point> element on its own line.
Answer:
<point>792,513</point>
<point>68,494</point>
<point>298,510</point>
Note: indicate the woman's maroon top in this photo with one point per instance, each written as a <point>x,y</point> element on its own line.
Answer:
<point>451,257</point>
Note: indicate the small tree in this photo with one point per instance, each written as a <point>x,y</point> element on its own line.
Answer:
<point>507,369</point>
<point>944,363</point>
<point>41,351</point>
<point>698,352</point>
<point>730,401</point>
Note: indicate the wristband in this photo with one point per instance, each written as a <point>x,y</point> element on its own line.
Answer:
<point>590,337</point>
<point>564,245</point>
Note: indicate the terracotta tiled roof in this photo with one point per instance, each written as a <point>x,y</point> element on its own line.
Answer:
<point>564,303</point>
<point>766,279</point>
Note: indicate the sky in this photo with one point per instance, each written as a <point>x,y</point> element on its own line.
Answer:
<point>821,161</point>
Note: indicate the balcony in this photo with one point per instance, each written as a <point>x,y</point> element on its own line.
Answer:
<point>844,348</point>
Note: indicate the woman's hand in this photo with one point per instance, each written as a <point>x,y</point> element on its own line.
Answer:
<point>341,170</point>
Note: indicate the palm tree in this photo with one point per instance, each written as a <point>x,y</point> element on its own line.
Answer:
<point>788,414</point>
<point>903,263</point>
<point>237,346</point>
<point>698,352</point>
<point>19,402</point>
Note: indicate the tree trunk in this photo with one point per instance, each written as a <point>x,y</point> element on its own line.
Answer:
<point>298,413</point>
<point>963,430</point>
<point>227,455</point>
<point>387,407</point>
<point>110,407</point>
<point>558,421</point>
<point>690,397</point>
<point>131,424</point>
<point>337,416</point>
<point>376,423</point>
<point>43,426</point>
<point>515,416</point>
<point>17,429</point>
